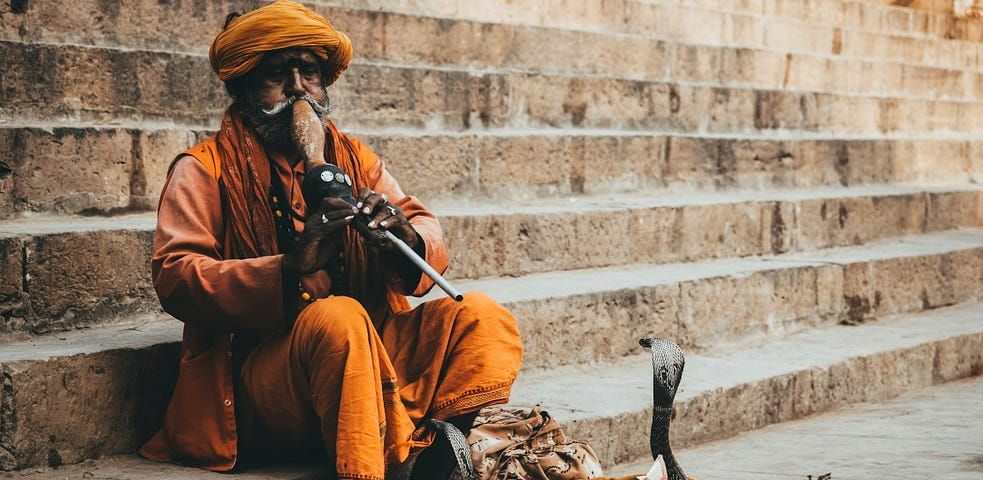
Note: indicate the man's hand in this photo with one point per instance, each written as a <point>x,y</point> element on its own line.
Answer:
<point>386,216</point>
<point>320,241</point>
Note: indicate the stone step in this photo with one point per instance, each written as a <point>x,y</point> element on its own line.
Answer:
<point>927,51</point>
<point>85,394</point>
<point>61,274</point>
<point>884,17</point>
<point>81,169</point>
<point>572,317</point>
<point>66,83</point>
<point>932,6</point>
<point>881,15</point>
<point>891,65</point>
<point>123,169</point>
<point>132,467</point>
<point>725,393</point>
<point>596,231</point>
<point>480,40</point>
<point>116,384</point>
<point>104,262</point>
<point>777,69</point>
<point>932,432</point>
<point>713,18</point>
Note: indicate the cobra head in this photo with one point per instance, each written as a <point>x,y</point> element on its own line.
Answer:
<point>667,364</point>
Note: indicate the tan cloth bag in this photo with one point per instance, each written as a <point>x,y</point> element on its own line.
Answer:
<point>516,443</point>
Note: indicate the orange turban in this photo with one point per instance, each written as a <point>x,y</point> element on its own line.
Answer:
<point>284,24</point>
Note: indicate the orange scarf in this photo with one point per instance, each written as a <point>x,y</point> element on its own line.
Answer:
<point>250,227</point>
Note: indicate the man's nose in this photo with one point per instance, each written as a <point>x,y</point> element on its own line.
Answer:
<point>295,84</point>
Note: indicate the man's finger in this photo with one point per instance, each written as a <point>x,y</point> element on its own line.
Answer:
<point>324,225</point>
<point>363,193</point>
<point>390,216</point>
<point>324,216</point>
<point>372,203</point>
<point>335,203</point>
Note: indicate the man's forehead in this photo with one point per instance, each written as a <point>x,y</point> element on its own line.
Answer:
<point>288,54</point>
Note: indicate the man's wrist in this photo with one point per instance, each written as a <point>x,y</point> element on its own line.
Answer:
<point>406,270</point>
<point>290,266</point>
<point>289,278</point>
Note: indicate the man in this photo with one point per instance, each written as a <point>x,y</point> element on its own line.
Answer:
<point>298,339</point>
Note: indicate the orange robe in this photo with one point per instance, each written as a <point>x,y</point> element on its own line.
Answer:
<point>352,380</point>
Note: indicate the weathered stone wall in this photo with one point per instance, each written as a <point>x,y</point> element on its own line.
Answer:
<point>968,8</point>
<point>936,6</point>
<point>721,172</point>
<point>959,8</point>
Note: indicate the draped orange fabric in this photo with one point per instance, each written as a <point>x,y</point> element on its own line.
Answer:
<point>361,371</point>
<point>438,360</point>
<point>251,232</point>
<point>283,24</point>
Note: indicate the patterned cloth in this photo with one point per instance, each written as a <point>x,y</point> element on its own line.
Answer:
<point>515,443</point>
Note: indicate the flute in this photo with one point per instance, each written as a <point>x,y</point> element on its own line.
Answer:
<point>326,180</point>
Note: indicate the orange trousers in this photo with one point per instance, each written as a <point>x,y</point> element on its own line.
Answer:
<point>336,383</point>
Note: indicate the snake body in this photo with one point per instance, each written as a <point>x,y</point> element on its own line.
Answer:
<point>449,437</point>
<point>667,366</point>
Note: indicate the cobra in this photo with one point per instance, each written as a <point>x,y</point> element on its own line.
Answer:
<point>667,366</point>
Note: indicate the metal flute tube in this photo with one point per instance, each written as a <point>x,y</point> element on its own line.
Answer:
<point>308,133</point>
<point>427,269</point>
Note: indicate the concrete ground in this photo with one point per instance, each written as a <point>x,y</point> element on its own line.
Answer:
<point>934,433</point>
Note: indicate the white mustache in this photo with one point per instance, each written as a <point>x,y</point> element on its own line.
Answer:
<point>283,104</point>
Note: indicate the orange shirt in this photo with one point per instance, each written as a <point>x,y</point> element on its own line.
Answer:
<point>215,296</point>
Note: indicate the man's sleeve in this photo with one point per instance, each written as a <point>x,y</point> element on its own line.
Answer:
<point>193,280</point>
<point>425,223</point>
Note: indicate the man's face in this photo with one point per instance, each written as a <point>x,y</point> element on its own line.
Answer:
<point>280,79</point>
<point>284,74</point>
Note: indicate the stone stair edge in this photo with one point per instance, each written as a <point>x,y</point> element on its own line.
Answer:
<point>788,57</point>
<point>146,330</point>
<point>431,10</point>
<point>945,343</point>
<point>827,283</point>
<point>963,25</point>
<point>953,29</point>
<point>136,332</point>
<point>668,42</point>
<point>524,288</point>
<point>47,223</point>
<point>922,210</point>
<point>104,261</point>
<point>784,379</point>
<point>738,11</point>
<point>777,85</point>
<point>497,102</point>
<point>200,132</point>
<point>656,107</point>
<point>912,13</point>
<point>747,362</point>
<point>55,224</point>
<point>474,165</point>
<point>560,284</point>
<point>947,36</point>
<point>754,298</point>
<point>133,467</point>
